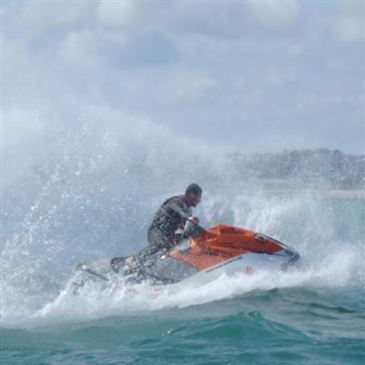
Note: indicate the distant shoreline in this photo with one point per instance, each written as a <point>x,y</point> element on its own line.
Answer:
<point>331,193</point>
<point>332,172</point>
<point>344,193</point>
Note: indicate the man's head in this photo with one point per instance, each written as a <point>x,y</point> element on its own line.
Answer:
<point>193,194</point>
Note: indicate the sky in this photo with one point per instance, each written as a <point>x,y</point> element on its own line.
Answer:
<point>245,76</point>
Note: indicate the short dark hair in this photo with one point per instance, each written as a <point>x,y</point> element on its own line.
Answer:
<point>193,188</point>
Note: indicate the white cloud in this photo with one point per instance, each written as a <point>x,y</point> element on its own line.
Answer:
<point>117,14</point>
<point>52,14</point>
<point>89,48</point>
<point>76,48</point>
<point>350,22</point>
<point>228,20</point>
<point>274,13</point>
<point>191,86</point>
<point>211,19</point>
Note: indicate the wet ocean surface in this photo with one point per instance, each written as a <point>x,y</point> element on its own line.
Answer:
<point>277,326</point>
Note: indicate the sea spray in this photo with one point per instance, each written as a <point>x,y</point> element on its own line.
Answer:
<point>94,193</point>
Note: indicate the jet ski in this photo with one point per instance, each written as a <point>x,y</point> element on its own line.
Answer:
<point>218,250</point>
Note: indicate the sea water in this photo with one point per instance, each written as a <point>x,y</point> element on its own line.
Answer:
<point>95,200</point>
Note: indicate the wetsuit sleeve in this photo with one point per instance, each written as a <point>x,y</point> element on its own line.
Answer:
<point>176,206</point>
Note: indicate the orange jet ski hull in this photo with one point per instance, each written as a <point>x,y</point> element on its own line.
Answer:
<point>221,243</point>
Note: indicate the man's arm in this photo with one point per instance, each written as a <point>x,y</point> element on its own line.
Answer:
<point>177,207</point>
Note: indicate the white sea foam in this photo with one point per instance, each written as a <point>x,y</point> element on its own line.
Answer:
<point>96,299</point>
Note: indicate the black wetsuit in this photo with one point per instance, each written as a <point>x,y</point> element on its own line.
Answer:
<point>171,216</point>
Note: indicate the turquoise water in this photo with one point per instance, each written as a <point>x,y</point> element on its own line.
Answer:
<point>277,326</point>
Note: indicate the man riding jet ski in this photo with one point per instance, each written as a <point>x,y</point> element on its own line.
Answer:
<point>179,249</point>
<point>168,228</point>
